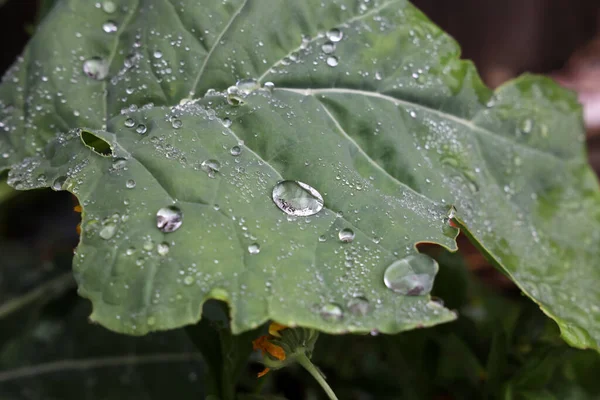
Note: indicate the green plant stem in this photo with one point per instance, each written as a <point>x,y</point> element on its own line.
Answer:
<point>310,367</point>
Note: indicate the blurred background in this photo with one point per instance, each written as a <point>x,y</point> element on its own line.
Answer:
<point>471,358</point>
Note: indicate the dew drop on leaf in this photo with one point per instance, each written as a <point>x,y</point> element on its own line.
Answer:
<point>235,150</point>
<point>346,235</point>
<point>108,231</point>
<point>359,306</point>
<point>188,280</point>
<point>95,68</point>
<point>162,249</point>
<point>331,312</point>
<point>526,126</point>
<point>176,123</point>
<point>254,248</point>
<point>109,27</point>
<point>412,275</point>
<point>247,86</point>
<point>169,219</point>
<point>335,35</point>
<point>328,47</point>
<point>109,7</point>
<point>157,54</point>
<point>59,183</point>
<point>141,129</point>
<point>297,198</point>
<point>129,123</point>
<point>332,61</point>
<point>211,167</point>
<point>130,184</point>
<point>226,122</point>
<point>119,163</point>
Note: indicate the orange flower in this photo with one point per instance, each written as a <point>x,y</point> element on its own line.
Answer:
<point>266,347</point>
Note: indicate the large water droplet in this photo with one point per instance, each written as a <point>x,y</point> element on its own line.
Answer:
<point>331,312</point>
<point>129,123</point>
<point>412,275</point>
<point>247,86</point>
<point>141,129</point>
<point>335,35</point>
<point>95,68</point>
<point>169,219</point>
<point>130,184</point>
<point>346,235</point>
<point>297,198</point>
<point>110,27</point>
<point>359,306</point>
<point>235,150</point>
<point>119,163</point>
<point>254,248</point>
<point>211,167</point>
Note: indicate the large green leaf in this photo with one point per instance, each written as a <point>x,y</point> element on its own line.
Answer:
<point>372,107</point>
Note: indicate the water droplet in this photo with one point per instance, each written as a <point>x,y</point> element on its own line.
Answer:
<point>332,61</point>
<point>335,35</point>
<point>129,123</point>
<point>450,228</point>
<point>322,238</point>
<point>269,85</point>
<point>119,163</point>
<point>188,280</point>
<point>157,54</point>
<point>226,122</point>
<point>526,126</point>
<point>96,68</point>
<point>130,184</point>
<point>108,231</point>
<point>254,248</point>
<point>359,306</point>
<point>412,275</point>
<point>233,96</point>
<point>176,123</point>
<point>109,27</point>
<point>141,129</point>
<point>297,198</point>
<point>247,86</point>
<point>235,150</point>
<point>169,219</point>
<point>331,312</point>
<point>109,7</point>
<point>163,248</point>
<point>328,47</point>
<point>211,167</point>
<point>346,235</point>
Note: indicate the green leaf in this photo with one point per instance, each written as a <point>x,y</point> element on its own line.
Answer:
<point>62,356</point>
<point>372,107</point>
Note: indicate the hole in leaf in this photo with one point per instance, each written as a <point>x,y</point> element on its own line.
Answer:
<point>98,145</point>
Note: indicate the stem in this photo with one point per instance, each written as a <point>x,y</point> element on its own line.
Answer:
<point>310,367</point>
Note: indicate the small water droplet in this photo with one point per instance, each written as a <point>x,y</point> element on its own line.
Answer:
<point>141,129</point>
<point>359,306</point>
<point>176,123</point>
<point>129,123</point>
<point>328,47</point>
<point>526,126</point>
<point>59,183</point>
<point>169,219</point>
<point>211,167</point>
<point>269,85</point>
<point>297,198</point>
<point>108,231</point>
<point>235,150</point>
<point>109,7</point>
<point>412,275</point>
<point>163,248</point>
<point>331,312</point>
<point>95,68</point>
<point>226,122</point>
<point>254,248</point>
<point>322,238</point>
<point>332,61</point>
<point>346,235</point>
<point>157,54</point>
<point>110,27</point>
<point>335,35</point>
<point>119,163</point>
<point>188,280</point>
<point>130,184</point>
